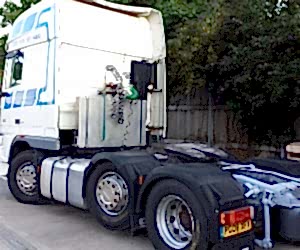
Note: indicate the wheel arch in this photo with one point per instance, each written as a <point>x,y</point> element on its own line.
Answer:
<point>159,175</point>
<point>205,181</point>
<point>208,184</point>
<point>17,146</point>
<point>25,157</point>
<point>21,143</point>
<point>146,190</point>
<point>132,165</point>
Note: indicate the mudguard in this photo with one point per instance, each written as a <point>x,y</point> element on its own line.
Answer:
<point>134,162</point>
<point>214,188</point>
<point>287,167</point>
<point>130,164</point>
<point>38,142</point>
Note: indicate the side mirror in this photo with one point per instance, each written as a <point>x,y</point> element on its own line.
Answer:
<point>142,74</point>
<point>18,68</point>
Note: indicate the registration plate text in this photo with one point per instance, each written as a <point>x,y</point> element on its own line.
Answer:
<point>235,229</point>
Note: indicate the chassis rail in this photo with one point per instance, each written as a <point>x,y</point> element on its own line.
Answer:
<point>267,188</point>
<point>258,185</point>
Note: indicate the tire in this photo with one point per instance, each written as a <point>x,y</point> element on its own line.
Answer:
<point>118,220</point>
<point>21,163</point>
<point>160,194</point>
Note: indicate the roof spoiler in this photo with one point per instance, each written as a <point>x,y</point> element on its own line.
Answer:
<point>126,9</point>
<point>154,17</point>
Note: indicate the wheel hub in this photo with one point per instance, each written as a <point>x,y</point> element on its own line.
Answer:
<point>185,219</point>
<point>112,193</point>
<point>175,222</point>
<point>26,179</point>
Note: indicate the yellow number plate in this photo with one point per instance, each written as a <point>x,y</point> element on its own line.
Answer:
<point>227,231</point>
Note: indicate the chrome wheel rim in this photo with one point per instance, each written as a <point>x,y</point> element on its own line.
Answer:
<point>175,222</point>
<point>26,179</point>
<point>112,193</point>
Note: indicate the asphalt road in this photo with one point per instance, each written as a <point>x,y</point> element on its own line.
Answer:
<point>25,227</point>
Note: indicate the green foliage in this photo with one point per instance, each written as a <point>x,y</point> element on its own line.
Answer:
<point>188,25</point>
<point>257,71</point>
<point>189,49</point>
<point>2,56</point>
<point>10,11</point>
<point>246,52</point>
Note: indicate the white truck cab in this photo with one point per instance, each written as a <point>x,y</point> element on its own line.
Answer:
<point>84,92</point>
<point>64,58</point>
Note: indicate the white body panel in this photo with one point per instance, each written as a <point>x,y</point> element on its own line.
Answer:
<point>97,129</point>
<point>66,46</point>
<point>30,109</point>
<point>105,30</point>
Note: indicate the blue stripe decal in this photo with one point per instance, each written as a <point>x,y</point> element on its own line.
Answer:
<point>8,101</point>
<point>17,29</point>
<point>30,97</point>
<point>29,23</point>
<point>46,25</point>
<point>54,59</point>
<point>18,99</point>
<point>33,94</point>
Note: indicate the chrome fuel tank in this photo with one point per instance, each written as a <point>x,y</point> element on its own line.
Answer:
<point>62,179</point>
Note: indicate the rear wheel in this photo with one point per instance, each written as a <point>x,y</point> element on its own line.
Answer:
<point>23,180</point>
<point>108,197</point>
<point>174,217</point>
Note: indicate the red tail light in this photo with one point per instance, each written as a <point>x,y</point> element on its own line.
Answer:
<point>237,216</point>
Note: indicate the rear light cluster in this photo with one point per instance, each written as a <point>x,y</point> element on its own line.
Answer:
<point>240,215</point>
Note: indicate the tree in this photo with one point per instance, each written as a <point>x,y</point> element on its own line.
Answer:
<point>246,51</point>
<point>10,11</point>
<point>257,70</point>
<point>188,24</point>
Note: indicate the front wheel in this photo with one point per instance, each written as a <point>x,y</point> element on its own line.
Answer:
<point>174,218</point>
<point>23,179</point>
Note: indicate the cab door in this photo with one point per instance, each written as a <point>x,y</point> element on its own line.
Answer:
<point>10,88</point>
<point>29,79</point>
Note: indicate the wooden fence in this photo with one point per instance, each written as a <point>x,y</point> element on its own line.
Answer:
<point>191,123</point>
<point>188,116</point>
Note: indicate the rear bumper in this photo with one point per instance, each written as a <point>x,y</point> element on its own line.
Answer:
<point>3,168</point>
<point>244,242</point>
